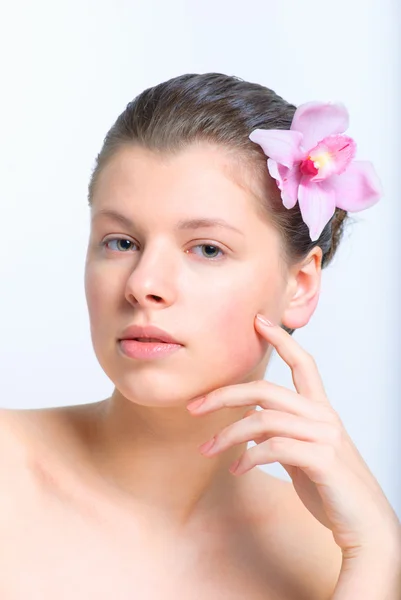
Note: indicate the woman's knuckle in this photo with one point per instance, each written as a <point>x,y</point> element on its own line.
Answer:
<point>329,415</point>
<point>310,360</point>
<point>276,443</point>
<point>304,361</point>
<point>328,455</point>
<point>335,435</point>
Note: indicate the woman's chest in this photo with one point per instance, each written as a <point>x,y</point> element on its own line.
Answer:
<point>57,553</point>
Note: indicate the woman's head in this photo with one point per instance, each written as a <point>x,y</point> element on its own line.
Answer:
<point>181,152</point>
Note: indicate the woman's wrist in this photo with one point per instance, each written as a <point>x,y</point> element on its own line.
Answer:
<point>371,576</point>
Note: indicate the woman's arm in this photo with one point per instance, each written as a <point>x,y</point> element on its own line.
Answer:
<point>372,577</point>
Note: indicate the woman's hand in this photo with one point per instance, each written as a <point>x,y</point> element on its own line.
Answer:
<point>302,432</point>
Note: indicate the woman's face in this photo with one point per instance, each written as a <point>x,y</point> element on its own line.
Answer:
<point>201,284</point>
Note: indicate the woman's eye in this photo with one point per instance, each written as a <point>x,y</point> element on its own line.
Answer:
<point>210,250</point>
<point>123,245</point>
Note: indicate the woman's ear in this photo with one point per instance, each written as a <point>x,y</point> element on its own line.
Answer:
<point>303,290</point>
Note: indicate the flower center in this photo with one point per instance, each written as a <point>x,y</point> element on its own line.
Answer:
<point>309,167</point>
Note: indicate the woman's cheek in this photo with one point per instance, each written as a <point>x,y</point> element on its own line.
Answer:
<point>99,299</point>
<point>240,347</point>
<point>94,296</point>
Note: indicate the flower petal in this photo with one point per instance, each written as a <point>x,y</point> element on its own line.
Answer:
<point>281,145</point>
<point>317,120</point>
<point>358,188</point>
<point>317,204</point>
<point>272,165</point>
<point>332,156</point>
<point>287,181</point>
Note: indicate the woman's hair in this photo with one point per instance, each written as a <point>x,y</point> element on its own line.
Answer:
<point>223,110</point>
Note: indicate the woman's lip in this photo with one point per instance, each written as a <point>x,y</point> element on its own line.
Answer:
<point>147,350</point>
<point>148,331</point>
<point>154,339</point>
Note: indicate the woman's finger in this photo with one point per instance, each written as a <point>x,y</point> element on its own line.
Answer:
<point>305,374</point>
<point>266,424</point>
<point>267,395</point>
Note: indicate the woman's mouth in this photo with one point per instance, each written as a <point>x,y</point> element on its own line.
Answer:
<point>147,348</point>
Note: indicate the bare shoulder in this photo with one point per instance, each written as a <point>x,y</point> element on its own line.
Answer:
<point>306,547</point>
<point>25,435</point>
<point>15,428</point>
<point>13,448</point>
<point>28,438</point>
<point>28,431</point>
<point>15,484</point>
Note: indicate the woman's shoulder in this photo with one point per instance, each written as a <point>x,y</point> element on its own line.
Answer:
<point>25,437</point>
<point>16,482</point>
<point>17,430</point>
<point>13,439</point>
<point>288,535</point>
<point>32,438</point>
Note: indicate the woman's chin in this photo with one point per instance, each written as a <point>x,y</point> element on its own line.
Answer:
<point>152,397</point>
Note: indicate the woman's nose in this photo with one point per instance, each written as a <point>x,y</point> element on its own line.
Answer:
<point>152,282</point>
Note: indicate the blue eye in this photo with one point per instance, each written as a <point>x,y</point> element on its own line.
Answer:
<point>125,245</point>
<point>208,246</point>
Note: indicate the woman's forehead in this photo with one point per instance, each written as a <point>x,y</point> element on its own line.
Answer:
<point>198,177</point>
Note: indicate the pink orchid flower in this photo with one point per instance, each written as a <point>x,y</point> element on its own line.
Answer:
<point>313,164</point>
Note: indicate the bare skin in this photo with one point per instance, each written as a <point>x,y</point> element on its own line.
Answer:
<point>67,533</point>
<point>114,499</point>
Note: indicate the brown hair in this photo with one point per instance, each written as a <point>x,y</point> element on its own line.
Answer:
<point>221,109</point>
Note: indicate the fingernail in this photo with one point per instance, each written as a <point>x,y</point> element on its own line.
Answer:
<point>195,404</point>
<point>263,320</point>
<point>207,445</point>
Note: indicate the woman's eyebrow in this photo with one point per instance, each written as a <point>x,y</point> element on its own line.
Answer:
<point>195,223</point>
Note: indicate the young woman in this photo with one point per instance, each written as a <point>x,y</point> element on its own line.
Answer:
<point>212,201</point>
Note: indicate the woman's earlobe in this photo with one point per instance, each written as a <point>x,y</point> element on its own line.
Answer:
<point>300,311</point>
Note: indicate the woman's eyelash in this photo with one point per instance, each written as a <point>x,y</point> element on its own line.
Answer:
<point>106,243</point>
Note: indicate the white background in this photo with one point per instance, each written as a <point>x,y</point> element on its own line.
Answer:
<point>68,68</point>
